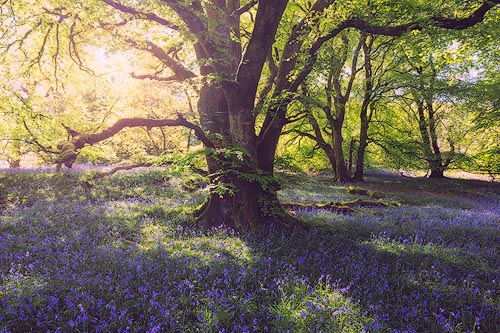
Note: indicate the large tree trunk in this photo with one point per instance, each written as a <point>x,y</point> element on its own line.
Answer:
<point>437,165</point>
<point>213,110</point>
<point>252,202</point>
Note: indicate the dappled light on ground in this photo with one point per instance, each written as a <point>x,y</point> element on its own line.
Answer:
<point>125,258</point>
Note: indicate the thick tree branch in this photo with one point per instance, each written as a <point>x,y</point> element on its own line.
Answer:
<point>266,23</point>
<point>273,72</point>
<point>241,89</point>
<point>180,72</point>
<point>142,122</point>
<point>273,121</point>
<point>191,12</point>
<point>156,77</point>
<point>69,150</point>
<point>354,66</point>
<point>147,16</point>
<point>245,8</point>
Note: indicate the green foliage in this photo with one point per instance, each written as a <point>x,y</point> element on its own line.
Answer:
<point>235,166</point>
<point>302,307</point>
<point>301,156</point>
<point>287,162</point>
<point>180,161</point>
<point>97,155</point>
<point>194,182</point>
<point>486,161</point>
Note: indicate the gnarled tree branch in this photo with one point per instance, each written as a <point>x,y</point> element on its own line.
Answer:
<point>68,151</point>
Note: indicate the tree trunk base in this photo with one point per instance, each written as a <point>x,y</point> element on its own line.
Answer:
<point>358,177</point>
<point>217,212</point>
<point>437,174</point>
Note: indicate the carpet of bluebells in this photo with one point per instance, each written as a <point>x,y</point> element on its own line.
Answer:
<point>121,256</point>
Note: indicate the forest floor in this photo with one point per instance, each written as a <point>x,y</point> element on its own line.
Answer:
<point>121,256</point>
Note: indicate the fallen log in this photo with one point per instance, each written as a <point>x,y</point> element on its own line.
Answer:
<point>119,168</point>
<point>331,207</point>
<point>338,207</point>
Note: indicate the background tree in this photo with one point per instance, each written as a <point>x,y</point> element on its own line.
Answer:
<point>339,65</point>
<point>480,100</point>
<point>379,62</point>
<point>431,82</point>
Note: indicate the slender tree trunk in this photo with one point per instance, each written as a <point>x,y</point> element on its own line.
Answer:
<point>430,145</point>
<point>330,153</point>
<point>426,142</point>
<point>363,143</point>
<point>341,172</point>
<point>351,154</point>
<point>437,167</point>
<point>15,155</point>
<point>427,124</point>
<point>338,100</point>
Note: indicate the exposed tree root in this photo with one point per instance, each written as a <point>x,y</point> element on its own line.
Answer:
<point>292,222</point>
